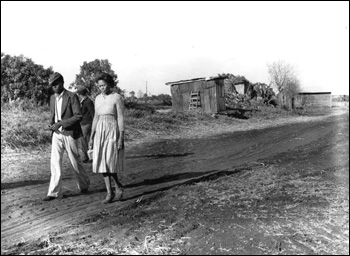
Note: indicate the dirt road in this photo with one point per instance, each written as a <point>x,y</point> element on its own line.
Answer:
<point>151,167</point>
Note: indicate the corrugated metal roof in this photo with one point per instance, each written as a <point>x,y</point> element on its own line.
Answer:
<point>197,79</point>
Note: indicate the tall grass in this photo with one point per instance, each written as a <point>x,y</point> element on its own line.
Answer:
<point>24,124</point>
<point>270,113</point>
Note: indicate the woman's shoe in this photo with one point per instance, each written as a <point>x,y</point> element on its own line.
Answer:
<point>108,199</point>
<point>118,193</point>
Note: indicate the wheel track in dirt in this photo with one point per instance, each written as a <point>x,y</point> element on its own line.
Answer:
<point>33,218</point>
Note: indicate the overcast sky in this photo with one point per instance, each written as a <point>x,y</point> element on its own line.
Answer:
<point>160,42</point>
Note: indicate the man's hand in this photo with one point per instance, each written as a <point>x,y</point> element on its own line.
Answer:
<point>55,126</point>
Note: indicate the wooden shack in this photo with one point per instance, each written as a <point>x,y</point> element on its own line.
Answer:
<point>306,100</point>
<point>313,100</point>
<point>206,94</point>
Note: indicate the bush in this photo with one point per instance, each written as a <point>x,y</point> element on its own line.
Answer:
<point>140,106</point>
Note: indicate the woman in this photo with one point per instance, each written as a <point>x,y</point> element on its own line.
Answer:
<point>107,136</point>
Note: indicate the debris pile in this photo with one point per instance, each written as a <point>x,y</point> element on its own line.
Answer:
<point>242,94</point>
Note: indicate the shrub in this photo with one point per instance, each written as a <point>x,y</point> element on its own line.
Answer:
<point>140,106</point>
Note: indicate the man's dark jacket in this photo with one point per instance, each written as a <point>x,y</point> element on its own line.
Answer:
<point>70,114</point>
<point>88,111</point>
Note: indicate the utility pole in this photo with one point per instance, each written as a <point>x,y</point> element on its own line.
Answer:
<point>146,93</point>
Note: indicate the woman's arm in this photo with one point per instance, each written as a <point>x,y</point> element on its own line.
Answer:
<point>120,113</point>
<point>93,129</point>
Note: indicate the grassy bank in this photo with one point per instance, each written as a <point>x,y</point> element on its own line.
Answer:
<point>24,124</point>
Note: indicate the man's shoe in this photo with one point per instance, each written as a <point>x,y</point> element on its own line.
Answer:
<point>49,198</point>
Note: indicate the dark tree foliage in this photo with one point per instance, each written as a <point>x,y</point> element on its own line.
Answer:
<point>165,99</point>
<point>89,71</point>
<point>21,78</point>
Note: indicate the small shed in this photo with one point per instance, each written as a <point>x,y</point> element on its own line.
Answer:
<point>209,93</point>
<point>314,100</point>
<point>306,100</point>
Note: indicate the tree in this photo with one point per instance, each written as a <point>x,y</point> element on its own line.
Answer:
<point>283,78</point>
<point>21,78</point>
<point>260,90</point>
<point>165,99</point>
<point>292,87</point>
<point>89,71</point>
<point>132,94</point>
<point>140,94</point>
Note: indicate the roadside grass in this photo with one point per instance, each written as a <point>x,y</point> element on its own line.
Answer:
<point>342,105</point>
<point>24,123</point>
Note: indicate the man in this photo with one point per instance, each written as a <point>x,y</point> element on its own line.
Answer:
<point>88,112</point>
<point>65,126</point>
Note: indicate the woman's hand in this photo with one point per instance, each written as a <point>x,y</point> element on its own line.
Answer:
<point>120,144</point>
<point>121,140</point>
<point>91,144</point>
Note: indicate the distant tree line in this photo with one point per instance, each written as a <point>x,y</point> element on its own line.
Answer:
<point>21,78</point>
<point>161,99</point>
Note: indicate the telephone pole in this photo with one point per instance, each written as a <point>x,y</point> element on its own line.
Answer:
<point>146,88</point>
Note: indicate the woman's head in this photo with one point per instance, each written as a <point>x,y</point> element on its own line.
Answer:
<point>105,82</point>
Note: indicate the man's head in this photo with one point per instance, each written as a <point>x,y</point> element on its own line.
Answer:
<point>82,91</point>
<point>56,81</point>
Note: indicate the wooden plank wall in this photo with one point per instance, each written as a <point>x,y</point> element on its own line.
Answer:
<point>211,92</point>
<point>314,100</point>
<point>220,94</point>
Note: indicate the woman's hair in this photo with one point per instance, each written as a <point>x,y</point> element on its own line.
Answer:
<point>105,77</point>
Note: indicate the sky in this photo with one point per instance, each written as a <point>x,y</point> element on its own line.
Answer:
<point>152,43</point>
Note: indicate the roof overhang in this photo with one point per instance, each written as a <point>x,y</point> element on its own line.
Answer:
<point>196,80</point>
<point>309,93</point>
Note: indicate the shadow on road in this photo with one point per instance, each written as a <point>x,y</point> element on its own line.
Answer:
<point>161,155</point>
<point>169,178</point>
<point>170,181</point>
<point>18,184</point>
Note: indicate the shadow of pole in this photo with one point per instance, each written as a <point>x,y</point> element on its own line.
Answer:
<point>142,189</point>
